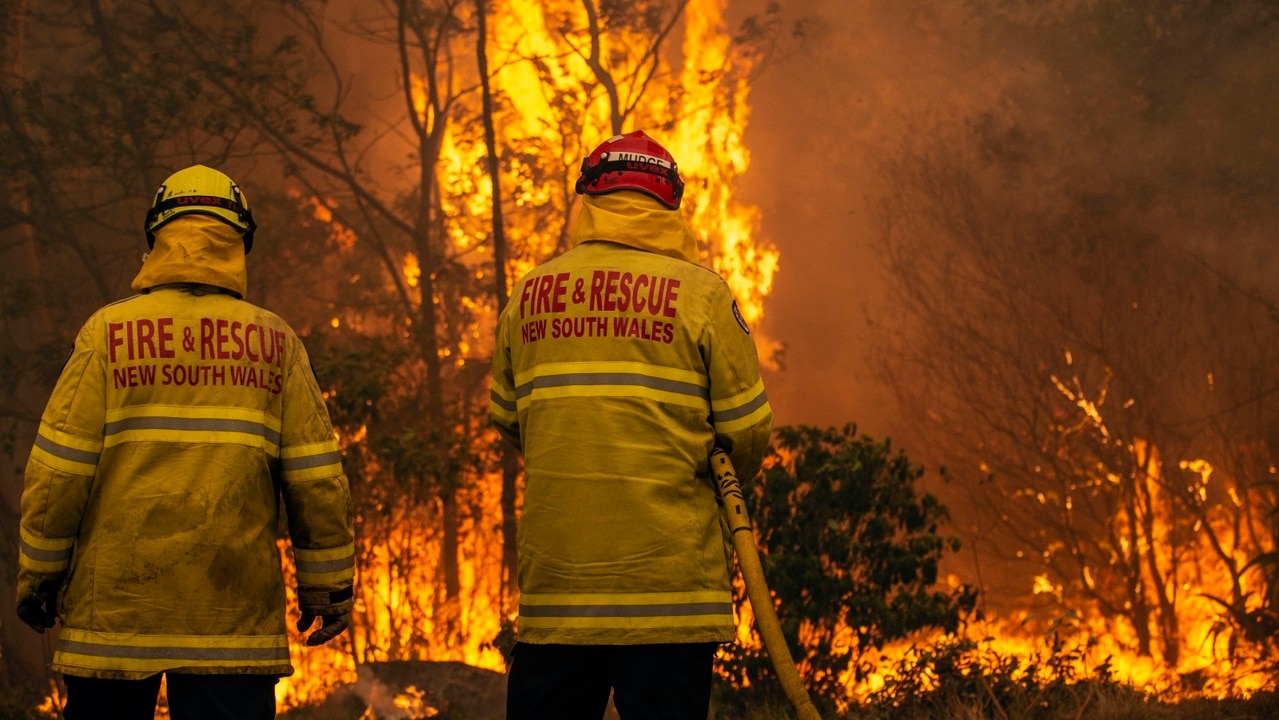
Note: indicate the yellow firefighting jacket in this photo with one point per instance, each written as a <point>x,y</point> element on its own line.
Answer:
<point>151,497</point>
<point>617,367</point>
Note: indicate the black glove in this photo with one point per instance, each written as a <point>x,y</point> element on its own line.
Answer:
<point>330,627</point>
<point>39,611</point>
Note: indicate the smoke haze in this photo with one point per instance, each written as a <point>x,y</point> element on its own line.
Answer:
<point>1179,123</point>
<point>823,108</point>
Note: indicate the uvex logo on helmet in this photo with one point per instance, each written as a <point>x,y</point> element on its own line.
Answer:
<point>633,161</point>
<point>209,200</point>
<point>201,190</point>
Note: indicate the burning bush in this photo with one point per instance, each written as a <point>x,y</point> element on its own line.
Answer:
<point>851,550</point>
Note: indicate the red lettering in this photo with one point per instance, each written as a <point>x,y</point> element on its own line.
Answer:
<point>206,338</point>
<point>542,303</point>
<point>222,339</point>
<point>624,285</point>
<point>639,293</point>
<point>640,283</point>
<point>114,341</point>
<point>266,347</point>
<point>610,290</point>
<point>597,290</point>
<point>561,287</point>
<point>248,342</point>
<point>146,338</point>
<point>655,290</point>
<point>181,375</point>
<point>668,302</point>
<point>533,331</point>
<point>141,339</point>
<point>165,335</point>
<point>237,339</point>
<point>526,296</point>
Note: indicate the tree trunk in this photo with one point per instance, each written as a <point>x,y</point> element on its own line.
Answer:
<point>509,456</point>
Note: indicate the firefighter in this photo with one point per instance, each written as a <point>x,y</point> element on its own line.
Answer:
<point>152,494</point>
<point>618,367</point>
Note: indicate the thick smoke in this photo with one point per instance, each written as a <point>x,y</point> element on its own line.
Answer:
<point>1166,106</point>
<point>850,80</point>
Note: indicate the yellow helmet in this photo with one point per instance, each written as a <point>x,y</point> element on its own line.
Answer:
<point>202,190</point>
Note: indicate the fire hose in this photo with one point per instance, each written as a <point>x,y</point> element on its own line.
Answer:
<point>766,623</point>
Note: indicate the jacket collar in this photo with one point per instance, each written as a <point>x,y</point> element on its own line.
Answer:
<point>195,250</point>
<point>635,220</point>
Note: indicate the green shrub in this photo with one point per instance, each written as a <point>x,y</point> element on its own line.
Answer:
<point>851,551</point>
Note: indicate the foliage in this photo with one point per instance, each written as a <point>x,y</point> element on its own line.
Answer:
<point>851,549</point>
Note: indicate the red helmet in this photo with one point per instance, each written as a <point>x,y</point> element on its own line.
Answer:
<point>633,161</point>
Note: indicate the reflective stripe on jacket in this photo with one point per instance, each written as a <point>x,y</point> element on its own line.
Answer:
<point>617,367</point>
<point>152,492</point>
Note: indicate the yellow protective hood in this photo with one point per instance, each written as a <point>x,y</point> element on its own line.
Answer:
<point>195,249</point>
<point>637,220</point>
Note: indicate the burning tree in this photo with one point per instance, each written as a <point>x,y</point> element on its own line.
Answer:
<point>1118,450</point>
<point>1100,381</point>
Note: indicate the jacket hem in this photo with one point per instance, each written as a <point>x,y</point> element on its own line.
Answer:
<point>123,674</point>
<point>578,636</point>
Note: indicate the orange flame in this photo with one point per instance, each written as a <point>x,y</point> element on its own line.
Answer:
<point>552,110</point>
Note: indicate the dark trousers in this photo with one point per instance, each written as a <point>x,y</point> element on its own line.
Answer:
<point>191,697</point>
<point>572,682</point>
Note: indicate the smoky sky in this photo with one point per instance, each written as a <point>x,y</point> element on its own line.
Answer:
<point>1183,129</point>
<point>825,104</point>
